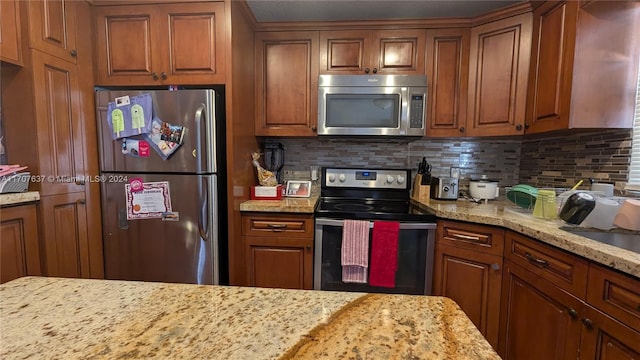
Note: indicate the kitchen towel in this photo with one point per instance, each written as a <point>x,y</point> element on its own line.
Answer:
<point>384,254</point>
<point>355,251</point>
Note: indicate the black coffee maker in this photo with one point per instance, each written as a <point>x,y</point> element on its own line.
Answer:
<point>274,159</point>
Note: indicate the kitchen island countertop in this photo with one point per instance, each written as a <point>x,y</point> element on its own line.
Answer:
<point>19,198</point>
<point>46,318</point>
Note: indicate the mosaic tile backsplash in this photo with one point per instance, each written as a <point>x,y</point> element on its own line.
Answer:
<point>554,161</point>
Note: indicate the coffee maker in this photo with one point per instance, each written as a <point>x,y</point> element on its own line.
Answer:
<point>274,159</point>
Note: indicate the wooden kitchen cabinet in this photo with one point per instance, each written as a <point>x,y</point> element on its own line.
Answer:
<point>357,52</point>
<point>584,65</point>
<point>498,73</point>
<point>10,32</point>
<point>160,44</point>
<point>468,269</point>
<point>19,254</point>
<point>52,28</point>
<point>447,55</point>
<point>286,86</point>
<point>278,250</point>
<point>605,338</point>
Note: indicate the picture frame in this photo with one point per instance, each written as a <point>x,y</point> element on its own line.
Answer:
<point>298,188</point>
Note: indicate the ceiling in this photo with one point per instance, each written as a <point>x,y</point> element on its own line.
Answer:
<point>343,10</point>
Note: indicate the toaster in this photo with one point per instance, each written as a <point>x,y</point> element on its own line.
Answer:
<point>444,188</point>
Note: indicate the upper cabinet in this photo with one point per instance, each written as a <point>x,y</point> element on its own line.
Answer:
<point>498,72</point>
<point>52,28</point>
<point>160,44</point>
<point>584,65</point>
<point>286,83</point>
<point>448,76</point>
<point>372,52</point>
<point>10,35</point>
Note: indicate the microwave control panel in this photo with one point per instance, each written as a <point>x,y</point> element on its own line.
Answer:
<point>417,111</point>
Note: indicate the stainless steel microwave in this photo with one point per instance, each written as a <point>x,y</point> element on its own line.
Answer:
<point>372,105</point>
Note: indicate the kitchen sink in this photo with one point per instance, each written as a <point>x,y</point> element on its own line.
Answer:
<point>624,239</point>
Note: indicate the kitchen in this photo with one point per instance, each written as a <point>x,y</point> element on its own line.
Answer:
<point>474,156</point>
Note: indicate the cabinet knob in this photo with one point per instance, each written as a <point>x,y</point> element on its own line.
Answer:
<point>461,129</point>
<point>163,75</point>
<point>154,75</point>
<point>308,247</point>
<point>495,267</point>
<point>573,313</point>
<point>74,53</point>
<point>526,126</point>
<point>80,181</point>
<point>588,323</point>
<point>375,70</point>
<point>81,201</point>
<point>519,127</point>
<point>367,70</point>
<point>314,129</point>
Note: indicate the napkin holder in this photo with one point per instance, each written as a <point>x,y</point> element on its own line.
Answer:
<point>420,193</point>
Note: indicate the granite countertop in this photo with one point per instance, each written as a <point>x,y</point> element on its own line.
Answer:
<point>287,204</point>
<point>45,318</point>
<point>503,213</point>
<point>19,198</point>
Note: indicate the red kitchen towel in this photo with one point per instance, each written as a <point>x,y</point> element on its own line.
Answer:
<point>384,254</point>
<point>355,251</point>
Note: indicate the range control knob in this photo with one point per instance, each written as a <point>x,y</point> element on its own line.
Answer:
<point>332,178</point>
<point>445,188</point>
<point>400,179</point>
<point>390,179</point>
<point>342,178</point>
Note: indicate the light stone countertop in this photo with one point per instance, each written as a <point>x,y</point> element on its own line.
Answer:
<point>19,198</point>
<point>287,204</point>
<point>505,214</point>
<point>55,318</point>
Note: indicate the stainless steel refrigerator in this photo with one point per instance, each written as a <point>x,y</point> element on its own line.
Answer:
<point>187,244</point>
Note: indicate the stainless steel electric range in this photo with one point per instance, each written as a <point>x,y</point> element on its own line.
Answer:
<point>372,195</point>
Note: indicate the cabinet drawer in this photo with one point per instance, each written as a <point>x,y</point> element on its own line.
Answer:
<point>563,269</point>
<point>615,294</point>
<point>278,225</point>
<point>486,239</point>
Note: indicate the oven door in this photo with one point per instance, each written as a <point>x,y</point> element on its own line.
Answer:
<point>415,258</point>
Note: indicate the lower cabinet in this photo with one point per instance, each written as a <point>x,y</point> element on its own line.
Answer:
<point>19,254</point>
<point>278,250</point>
<point>468,269</point>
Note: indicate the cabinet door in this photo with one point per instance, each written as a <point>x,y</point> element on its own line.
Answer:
<point>286,83</point>
<point>64,235</point>
<point>193,41</point>
<point>448,77</point>
<point>538,320</point>
<point>127,45</point>
<point>10,34</point>
<point>343,52</point>
<point>604,338</point>
<point>473,280</point>
<point>554,30</point>
<point>279,262</point>
<point>398,52</point>
<point>52,28</point>
<point>498,72</point>
<point>60,131</point>
<point>19,254</point>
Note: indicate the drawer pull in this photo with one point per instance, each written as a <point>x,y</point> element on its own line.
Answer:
<point>588,323</point>
<point>277,226</point>
<point>573,313</point>
<point>535,261</point>
<point>466,237</point>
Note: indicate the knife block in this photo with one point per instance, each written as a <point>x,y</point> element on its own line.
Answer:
<point>420,193</point>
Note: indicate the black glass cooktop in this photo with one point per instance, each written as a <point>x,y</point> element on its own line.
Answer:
<point>363,209</point>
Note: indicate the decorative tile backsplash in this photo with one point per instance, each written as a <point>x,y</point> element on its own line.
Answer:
<point>562,161</point>
<point>555,161</point>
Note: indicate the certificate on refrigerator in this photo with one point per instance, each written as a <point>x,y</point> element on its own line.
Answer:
<point>150,203</point>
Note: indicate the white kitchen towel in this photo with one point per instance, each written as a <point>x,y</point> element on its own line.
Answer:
<point>355,251</point>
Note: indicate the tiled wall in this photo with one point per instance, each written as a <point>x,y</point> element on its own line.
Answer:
<point>555,161</point>
<point>499,159</point>
<point>561,161</point>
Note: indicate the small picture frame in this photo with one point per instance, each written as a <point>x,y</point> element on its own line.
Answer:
<point>297,188</point>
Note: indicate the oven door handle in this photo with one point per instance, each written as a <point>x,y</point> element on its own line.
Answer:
<point>403,225</point>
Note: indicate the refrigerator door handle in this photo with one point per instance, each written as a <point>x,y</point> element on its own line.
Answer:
<point>203,195</point>
<point>198,150</point>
